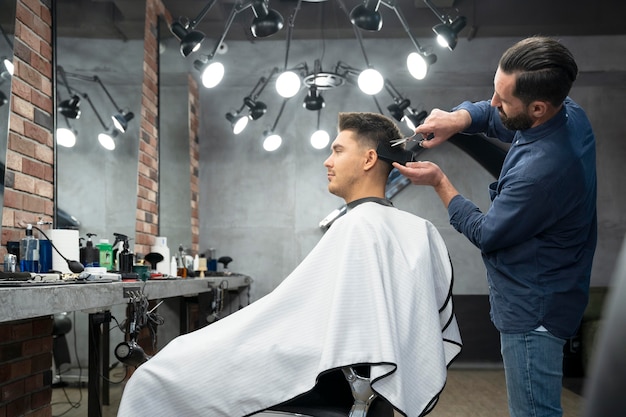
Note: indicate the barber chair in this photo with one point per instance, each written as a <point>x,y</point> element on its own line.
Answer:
<point>345,392</point>
<point>60,350</point>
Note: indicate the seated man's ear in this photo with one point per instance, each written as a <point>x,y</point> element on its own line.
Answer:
<point>371,159</point>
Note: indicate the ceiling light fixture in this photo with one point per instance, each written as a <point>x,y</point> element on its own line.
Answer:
<point>271,139</point>
<point>66,136</point>
<point>319,138</point>
<point>448,30</point>
<point>401,109</point>
<point>367,17</point>
<point>238,121</point>
<point>266,23</point>
<point>69,109</point>
<point>183,29</point>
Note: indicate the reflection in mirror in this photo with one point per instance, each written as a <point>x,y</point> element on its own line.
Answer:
<point>174,159</point>
<point>7,25</point>
<point>99,76</point>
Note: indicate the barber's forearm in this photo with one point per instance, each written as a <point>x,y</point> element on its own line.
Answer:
<point>446,191</point>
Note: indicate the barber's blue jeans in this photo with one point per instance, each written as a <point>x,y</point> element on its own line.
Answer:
<point>533,366</point>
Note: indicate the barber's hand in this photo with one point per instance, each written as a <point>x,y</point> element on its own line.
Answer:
<point>440,125</point>
<point>421,173</point>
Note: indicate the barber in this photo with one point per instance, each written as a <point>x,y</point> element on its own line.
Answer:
<point>538,237</point>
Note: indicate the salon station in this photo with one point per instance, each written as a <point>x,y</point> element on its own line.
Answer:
<point>162,169</point>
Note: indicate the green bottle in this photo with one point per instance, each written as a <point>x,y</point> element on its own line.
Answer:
<point>106,254</point>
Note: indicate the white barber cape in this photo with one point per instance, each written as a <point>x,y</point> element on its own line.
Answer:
<point>376,290</point>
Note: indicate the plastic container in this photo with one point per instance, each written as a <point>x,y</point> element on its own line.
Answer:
<point>160,246</point>
<point>106,254</point>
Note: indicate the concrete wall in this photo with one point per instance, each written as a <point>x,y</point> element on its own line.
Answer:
<point>263,209</point>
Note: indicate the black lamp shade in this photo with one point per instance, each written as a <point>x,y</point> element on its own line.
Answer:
<point>366,19</point>
<point>120,120</point>
<point>397,109</point>
<point>266,25</point>
<point>69,108</point>
<point>191,42</point>
<point>450,31</point>
<point>179,30</point>
<point>258,111</point>
<point>313,100</point>
<point>3,99</point>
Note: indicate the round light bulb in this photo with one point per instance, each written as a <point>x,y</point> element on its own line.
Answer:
<point>240,124</point>
<point>417,65</point>
<point>212,74</point>
<point>272,142</point>
<point>320,139</point>
<point>9,66</point>
<point>288,84</point>
<point>106,141</point>
<point>442,41</point>
<point>371,81</point>
<point>65,137</point>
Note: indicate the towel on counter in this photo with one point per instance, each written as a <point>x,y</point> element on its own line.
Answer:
<point>376,290</point>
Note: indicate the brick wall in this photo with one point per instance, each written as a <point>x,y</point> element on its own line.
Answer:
<point>194,154</point>
<point>29,190</point>
<point>25,367</point>
<point>147,220</point>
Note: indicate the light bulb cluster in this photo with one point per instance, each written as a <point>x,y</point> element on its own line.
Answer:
<point>365,16</point>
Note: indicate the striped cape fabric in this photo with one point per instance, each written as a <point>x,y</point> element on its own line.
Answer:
<point>376,289</point>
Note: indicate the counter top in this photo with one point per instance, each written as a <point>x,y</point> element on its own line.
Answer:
<point>18,303</point>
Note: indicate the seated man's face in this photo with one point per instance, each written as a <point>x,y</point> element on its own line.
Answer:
<point>345,165</point>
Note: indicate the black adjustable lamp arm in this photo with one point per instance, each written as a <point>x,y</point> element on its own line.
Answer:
<point>201,15</point>
<point>280,113</point>
<point>392,5</point>
<point>238,8</point>
<point>359,38</point>
<point>292,21</point>
<point>99,81</point>
<point>94,79</point>
<point>393,92</point>
<point>440,16</point>
<point>64,79</point>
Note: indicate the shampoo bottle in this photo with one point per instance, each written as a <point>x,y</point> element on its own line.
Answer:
<point>29,252</point>
<point>90,255</point>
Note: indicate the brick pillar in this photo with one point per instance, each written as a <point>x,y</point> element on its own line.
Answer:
<point>25,367</point>
<point>147,218</point>
<point>28,188</point>
<point>194,154</point>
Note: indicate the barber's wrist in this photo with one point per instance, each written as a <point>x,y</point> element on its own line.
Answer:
<point>463,119</point>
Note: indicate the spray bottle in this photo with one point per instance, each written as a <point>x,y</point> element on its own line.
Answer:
<point>181,269</point>
<point>124,258</point>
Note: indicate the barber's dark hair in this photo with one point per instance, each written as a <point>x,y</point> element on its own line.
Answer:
<point>371,128</point>
<point>545,69</point>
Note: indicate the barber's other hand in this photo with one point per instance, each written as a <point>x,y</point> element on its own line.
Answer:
<point>440,125</point>
<point>421,173</point>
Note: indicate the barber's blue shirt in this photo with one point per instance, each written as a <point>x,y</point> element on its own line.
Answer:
<point>539,235</point>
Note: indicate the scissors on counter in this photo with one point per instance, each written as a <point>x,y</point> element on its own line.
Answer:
<point>413,138</point>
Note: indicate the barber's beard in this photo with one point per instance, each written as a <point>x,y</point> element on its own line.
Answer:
<point>521,121</point>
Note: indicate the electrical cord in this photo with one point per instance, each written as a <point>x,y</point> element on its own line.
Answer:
<point>77,404</point>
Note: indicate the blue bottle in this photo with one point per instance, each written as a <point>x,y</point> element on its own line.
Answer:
<point>29,252</point>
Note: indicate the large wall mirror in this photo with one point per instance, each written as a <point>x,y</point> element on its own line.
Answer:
<point>7,28</point>
<point>99,53</point>
<point>174,159</point>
